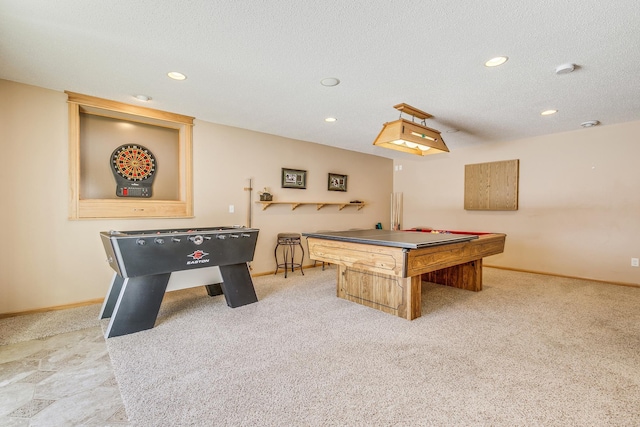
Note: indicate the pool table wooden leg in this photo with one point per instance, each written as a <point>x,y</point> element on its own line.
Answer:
<point>464,276</point>
<point>413,298</point>
<point>399,296</point>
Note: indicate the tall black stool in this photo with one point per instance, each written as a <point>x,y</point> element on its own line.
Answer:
<point>289,241</point>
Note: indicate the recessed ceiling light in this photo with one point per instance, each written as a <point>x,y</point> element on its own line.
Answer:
<point>330,119</point>
<point>330,81</point>
<point>143,98</point>
<point>589,123</point>
<point>176,75</point>
<point>548,112</point>
<point>494,62</point>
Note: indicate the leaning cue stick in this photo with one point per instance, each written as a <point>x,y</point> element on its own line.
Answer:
<point>249,188</point>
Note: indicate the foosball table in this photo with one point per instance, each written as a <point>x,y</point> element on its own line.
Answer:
<point>144,260</point>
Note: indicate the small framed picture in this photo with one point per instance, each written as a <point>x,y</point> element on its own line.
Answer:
<point>294,178</point>
<point>337,182</point>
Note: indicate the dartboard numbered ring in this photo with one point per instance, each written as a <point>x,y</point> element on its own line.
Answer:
<point>133,162</point>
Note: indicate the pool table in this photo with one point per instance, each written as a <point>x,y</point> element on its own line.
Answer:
<point>384,269</point>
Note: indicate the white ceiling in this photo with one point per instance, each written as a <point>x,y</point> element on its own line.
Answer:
<point>258,64</point>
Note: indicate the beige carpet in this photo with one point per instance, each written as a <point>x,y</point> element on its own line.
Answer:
<point>33,326</point>
<point>528,350</point>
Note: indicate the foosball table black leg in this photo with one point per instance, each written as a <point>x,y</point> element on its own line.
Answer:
<point>214,289</point>
<point>138,304</point>
<point>112,296</point>
<point>237,285</point>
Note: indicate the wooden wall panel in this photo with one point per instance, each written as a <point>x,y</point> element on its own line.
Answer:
<point>491,186</point>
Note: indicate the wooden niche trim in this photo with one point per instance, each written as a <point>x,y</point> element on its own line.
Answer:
<point>81,207</point>
<point>491,186</point>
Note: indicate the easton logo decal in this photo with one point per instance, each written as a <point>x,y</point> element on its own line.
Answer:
<point>198,257</point>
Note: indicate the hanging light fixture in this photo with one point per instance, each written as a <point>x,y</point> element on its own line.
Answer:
<point>409,136</point>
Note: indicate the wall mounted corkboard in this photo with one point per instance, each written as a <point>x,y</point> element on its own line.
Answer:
<point>491,186</point>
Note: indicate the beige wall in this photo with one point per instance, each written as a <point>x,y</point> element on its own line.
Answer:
<point>578,216</point>
<point>579,212</point>
<point>48,260</point>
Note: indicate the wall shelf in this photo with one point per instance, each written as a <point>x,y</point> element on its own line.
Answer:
<point>319,205</point>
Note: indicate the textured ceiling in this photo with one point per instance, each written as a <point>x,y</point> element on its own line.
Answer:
<point>258,64</point>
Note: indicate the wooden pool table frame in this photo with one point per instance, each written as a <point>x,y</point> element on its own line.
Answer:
<point>389,279</point>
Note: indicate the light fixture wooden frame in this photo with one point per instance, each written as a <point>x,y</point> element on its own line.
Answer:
<point>82,208</point>
<point>411,137</point>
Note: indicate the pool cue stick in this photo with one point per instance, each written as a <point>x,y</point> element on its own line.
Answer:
<point>249,189</point>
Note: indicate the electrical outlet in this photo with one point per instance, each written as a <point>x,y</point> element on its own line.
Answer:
<point>635,262</point>
<point>232,209</point>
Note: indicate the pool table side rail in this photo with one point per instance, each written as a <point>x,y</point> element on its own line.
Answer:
<point>425,260</point>
<point>400,262</point>
<point>379,259</point>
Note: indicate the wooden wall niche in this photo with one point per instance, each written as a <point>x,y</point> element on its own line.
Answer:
<point>96,128</point>
<point>491,186</point>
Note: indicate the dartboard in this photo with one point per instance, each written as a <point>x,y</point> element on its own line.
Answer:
<point>133,167</point>
<point>133,162</point>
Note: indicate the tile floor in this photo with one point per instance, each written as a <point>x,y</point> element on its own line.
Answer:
<point>63,380</point>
